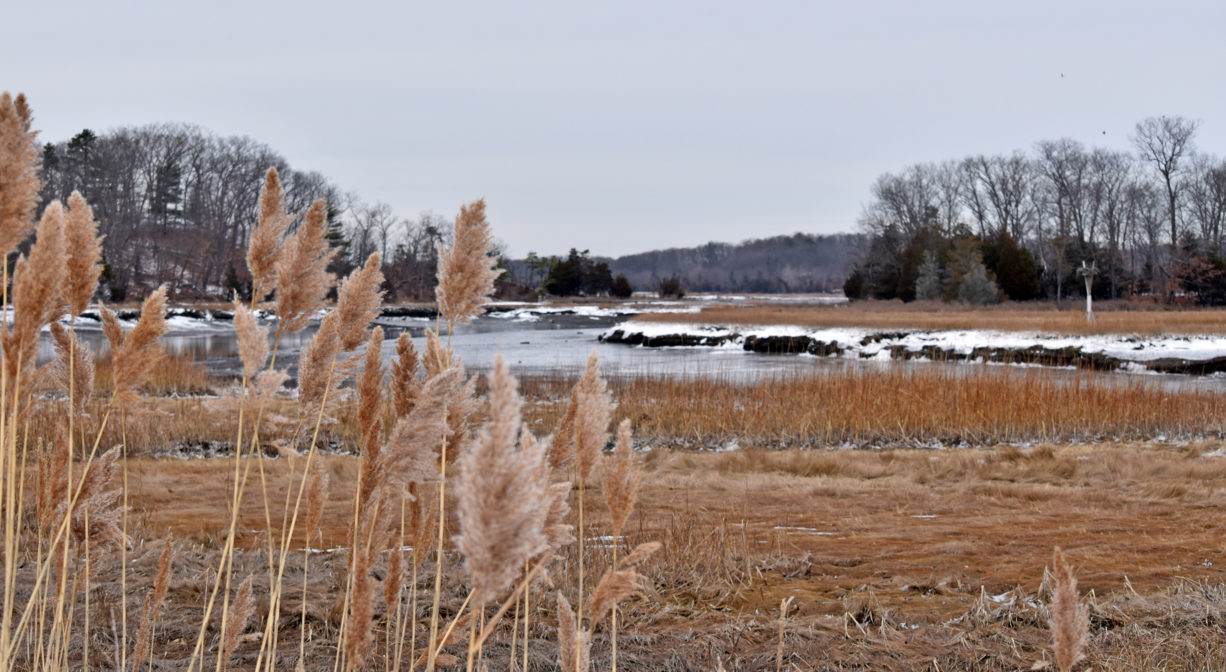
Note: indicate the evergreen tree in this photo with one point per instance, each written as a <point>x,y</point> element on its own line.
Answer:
<point>977,288</point>
<point>929,285</point>
<point>621,287</point>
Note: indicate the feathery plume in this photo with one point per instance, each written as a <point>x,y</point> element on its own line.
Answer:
<point>423,522</point>
<point>303,279</point>
<point>501,498</point>
<point>84,254</point>
<point>139,350</point>
<point>37,292</point>
<point>1070,620</point>
<point>594,409</point>
<point>466,272</point>
<point>393,584</point>
<point>315,367</point>
<point>620,477</point>
<point>98,505</point>
<point>370,392</point>
<point>562,448</point>
<point>438,355</point>
<point>112,328</point>
<point>75,376</point>
<point>558,532</point>
<point>614,586</point>
<point>53,482</point>
<point>236,620</point>
<point>358,302</point>
<point>20,161</point>
<point>153,604</point>
<point>403,382</point>
<point>268,236</point>
<point>252,340</point>
<point>370,398</point>
<point>316,495</point>
<point>460,408</point>
<point>639,554</point>
<point>574,643</point>
<point>371,537</point>
<point>411,453</point>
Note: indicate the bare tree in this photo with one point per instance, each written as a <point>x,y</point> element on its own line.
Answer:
<point>1206,199</point>
<point>1164,142</point>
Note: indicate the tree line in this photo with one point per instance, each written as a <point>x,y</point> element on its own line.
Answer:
<point>177,203</point>
<point>1020,226</point>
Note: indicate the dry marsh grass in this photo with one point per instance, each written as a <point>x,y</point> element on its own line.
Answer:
<point>903,406</point>
<point>937,316</point>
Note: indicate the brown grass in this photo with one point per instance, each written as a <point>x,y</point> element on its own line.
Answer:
<point>899,405</point>
<point>927,315</point>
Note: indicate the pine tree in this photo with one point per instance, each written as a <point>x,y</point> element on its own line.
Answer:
<point>929,284</point>
<point>977,288</point>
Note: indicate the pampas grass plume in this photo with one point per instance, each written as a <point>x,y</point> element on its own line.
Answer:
<point>562,448</point>
<point>303,280</point>
<point>236,620</point>
<point>37,297</point>
<point>84,254</point>
<point>316,495</point>
<point>139,350</point>
<point>594,409</point>
<point>502,504</point>
<point>621,477</point>
<point>358,302</point>
<point>411,453</point>
<point>614,586</point>
<point>466,272</point>
<point>77,375</point>
<point>252,340</point>
<point>20,159</point>
<point>404,383</point>
<point>267,237</point>
<point>315,366</point>
<point>1070,620</point>
<point>153,604</point>
<point>574,643</point>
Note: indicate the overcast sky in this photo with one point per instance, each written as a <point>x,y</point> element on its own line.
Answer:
<point>624,126</point>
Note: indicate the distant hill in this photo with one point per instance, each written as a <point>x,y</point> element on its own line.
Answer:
<point>800,262</point>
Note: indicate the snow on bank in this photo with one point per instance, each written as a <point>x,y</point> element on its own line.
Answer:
<point>1202,353</point>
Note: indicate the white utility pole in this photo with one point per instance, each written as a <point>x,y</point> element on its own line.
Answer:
<point>1088,272</point>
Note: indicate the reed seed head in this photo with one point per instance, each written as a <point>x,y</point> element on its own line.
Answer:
<point>84,248</point>
<point>20,160</point>
<point>502,504</point>
<point>267,238</point>
<point>466,272</point>
<point>1070,620</point>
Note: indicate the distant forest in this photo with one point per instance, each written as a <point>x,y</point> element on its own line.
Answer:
<point>177,203</point>
<point>1032,224</point>
<point>800,262</point>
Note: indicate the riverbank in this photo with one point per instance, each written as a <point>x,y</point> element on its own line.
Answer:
<point>1194,354</point>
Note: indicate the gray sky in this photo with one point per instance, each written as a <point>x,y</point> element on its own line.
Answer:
<point>624,126</point>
